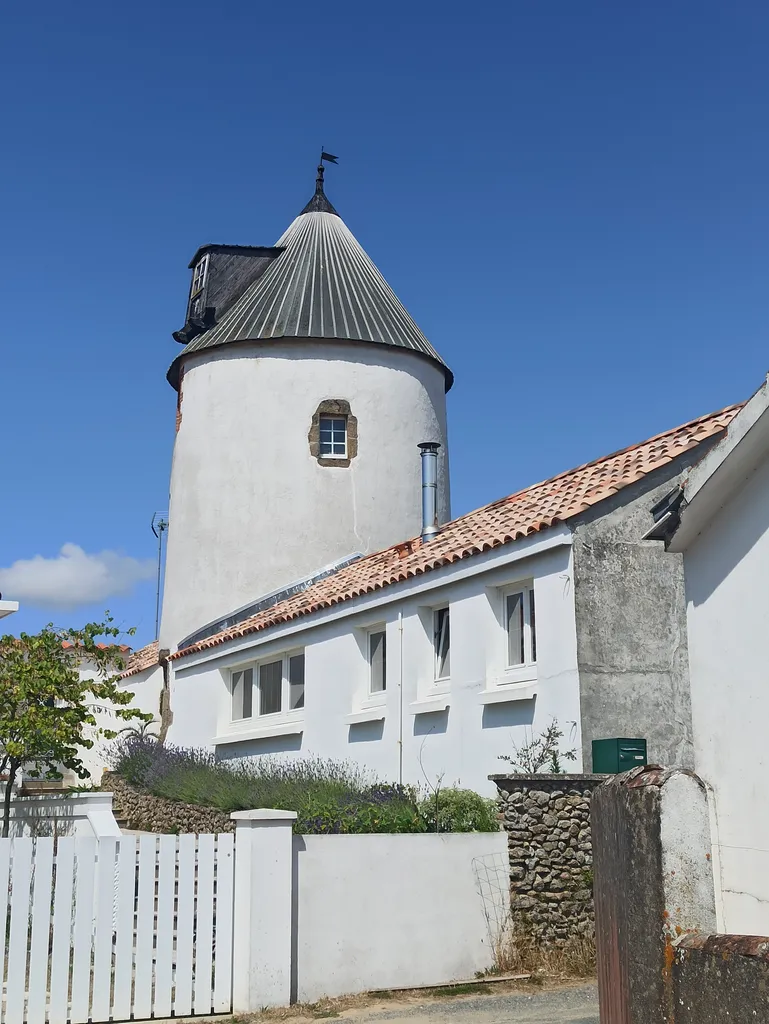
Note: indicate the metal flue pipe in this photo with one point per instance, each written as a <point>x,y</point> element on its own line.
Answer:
<point>429,453</point>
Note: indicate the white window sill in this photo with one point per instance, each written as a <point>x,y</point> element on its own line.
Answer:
<point>436,702</point>
<point>374,713</point>
<point>509,693</point>
<point>516,674</point>
<point>263,730</point>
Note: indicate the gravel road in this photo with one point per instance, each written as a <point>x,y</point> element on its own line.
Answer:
<point>572,1005</point>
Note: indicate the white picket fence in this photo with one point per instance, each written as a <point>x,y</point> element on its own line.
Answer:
<point>115,928</point>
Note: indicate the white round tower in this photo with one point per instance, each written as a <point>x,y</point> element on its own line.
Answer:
<point>304,390</point>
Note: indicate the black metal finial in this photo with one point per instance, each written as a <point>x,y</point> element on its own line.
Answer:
<point>319,203</point>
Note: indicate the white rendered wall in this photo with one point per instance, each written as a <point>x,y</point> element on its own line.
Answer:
<point>727,569</point>
<point>390,911</point>
<point>460,743</point>
<point>146,688</point>
<point>251,510</point>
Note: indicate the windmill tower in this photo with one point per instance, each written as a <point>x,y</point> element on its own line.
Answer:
<point>304,388</point>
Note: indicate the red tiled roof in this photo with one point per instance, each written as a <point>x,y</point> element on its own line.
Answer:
<point>145,657</point>
<point>123,648</point>
<point>504,521</point>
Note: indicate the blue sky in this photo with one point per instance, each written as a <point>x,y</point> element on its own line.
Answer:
<point>569,198</point>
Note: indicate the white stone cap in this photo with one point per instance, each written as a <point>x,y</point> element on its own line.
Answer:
<point>8,608</point>
<point>264,814</point>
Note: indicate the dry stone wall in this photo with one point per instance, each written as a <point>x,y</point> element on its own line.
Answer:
<point>147,813</point>
<point>547,820</point>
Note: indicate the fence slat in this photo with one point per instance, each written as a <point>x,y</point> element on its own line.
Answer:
<point>41,932</point>
<point>102,945</point>
<point>225,866</point>
<point>204,931</point>
<point>145,913</point>
<point>58,997</point>
<point>164,949</point>
<point>185,922</point>
<point>124,928</point>
<point>5,866</point>
<point>21,872</point>
<point>82,932</point>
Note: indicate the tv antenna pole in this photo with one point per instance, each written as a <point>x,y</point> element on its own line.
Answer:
<point>159,526</point>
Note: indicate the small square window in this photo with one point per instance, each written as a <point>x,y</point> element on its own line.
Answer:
<point>520,626</point>
<point>333,437</point>
<point>442,643</point>
<point>377,660</point>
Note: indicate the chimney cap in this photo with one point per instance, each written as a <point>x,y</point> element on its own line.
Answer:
<point>429,446</point>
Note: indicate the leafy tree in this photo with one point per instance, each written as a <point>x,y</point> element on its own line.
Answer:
<point>47,712</point>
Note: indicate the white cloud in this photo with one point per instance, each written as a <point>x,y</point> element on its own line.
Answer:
<point>73,577</point>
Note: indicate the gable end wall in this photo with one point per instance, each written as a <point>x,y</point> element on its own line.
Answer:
<point>630,608</point>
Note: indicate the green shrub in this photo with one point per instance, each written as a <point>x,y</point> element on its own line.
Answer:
<point>328,796</point>
<point>459,810</point>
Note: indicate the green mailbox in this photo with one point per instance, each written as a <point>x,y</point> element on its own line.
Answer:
<point>610,757</point>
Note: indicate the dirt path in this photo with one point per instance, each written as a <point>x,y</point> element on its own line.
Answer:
<point>574,1004</point>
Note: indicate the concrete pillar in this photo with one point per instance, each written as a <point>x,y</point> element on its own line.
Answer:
<point>261,962</point>
<point>653,884</point>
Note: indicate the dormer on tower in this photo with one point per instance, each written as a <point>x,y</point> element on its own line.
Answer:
<point>220,275</point>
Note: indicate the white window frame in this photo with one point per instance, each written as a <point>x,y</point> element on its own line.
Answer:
<point>438,679</point>
<point>285,712</point>
<point>333,419</point>
<point>199,277</point>
<point>371,693</point>
<point>527,669</point>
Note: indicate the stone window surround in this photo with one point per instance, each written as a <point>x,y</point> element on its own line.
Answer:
<point>334,407</point>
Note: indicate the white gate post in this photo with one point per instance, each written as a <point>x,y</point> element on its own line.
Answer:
<point>261,961</point>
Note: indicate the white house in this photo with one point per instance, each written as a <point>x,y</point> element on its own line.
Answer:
<point>7,607</point>
<point>316,598</point>
<point>431,659</point>
<point>719,520</point>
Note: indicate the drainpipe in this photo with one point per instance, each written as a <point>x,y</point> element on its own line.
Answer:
<point>400,698</point>
<point>429,452</point>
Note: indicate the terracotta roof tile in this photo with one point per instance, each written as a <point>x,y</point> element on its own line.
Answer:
<point>145,657</point>
<point>504,521</point>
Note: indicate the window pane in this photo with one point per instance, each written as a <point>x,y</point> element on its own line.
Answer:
<point>242,694</point>
<point>296,682</point>
<point>237,695</point>
<point>533,625</point>
<point>270,684</point>
<point>377,656</point>
<point>333,436</point>
<point>442,644</point>
<point>514,617</point>
<point>248,693</point>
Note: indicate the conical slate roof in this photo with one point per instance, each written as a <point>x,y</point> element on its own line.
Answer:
<point>323,285</point>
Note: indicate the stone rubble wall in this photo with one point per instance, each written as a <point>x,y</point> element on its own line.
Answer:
<point>146,813</point>
<point>547,820</point>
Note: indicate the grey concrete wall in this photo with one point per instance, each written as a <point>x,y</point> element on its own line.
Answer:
<point>630,609</point>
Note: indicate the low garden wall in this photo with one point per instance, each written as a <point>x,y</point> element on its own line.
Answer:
<point>547,821</point>
<point>147,813</point>
<point>392,911</point>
